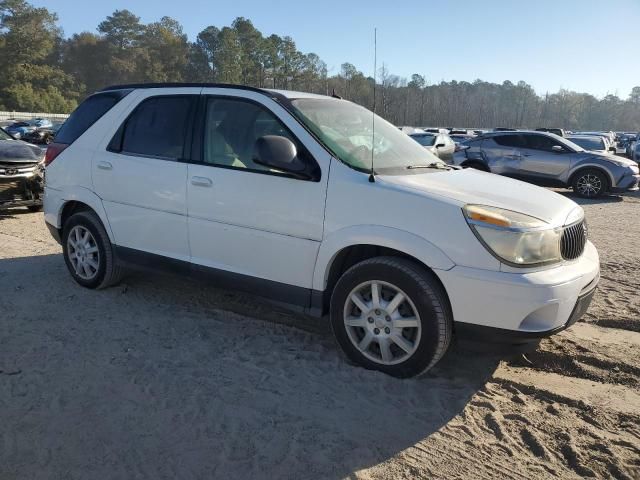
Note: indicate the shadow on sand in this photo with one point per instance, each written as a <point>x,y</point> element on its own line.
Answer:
<point>163,377</point>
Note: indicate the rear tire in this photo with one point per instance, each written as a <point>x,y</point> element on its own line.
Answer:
<point>590,183</point>
<point>88,252</point>
<point>402,326</point>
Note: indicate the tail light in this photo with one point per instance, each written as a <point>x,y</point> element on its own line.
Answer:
<point>53,150</point>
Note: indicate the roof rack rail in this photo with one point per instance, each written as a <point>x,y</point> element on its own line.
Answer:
<point>131,86</point>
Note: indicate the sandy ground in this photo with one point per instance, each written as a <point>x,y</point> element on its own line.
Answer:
<point>162,377</point>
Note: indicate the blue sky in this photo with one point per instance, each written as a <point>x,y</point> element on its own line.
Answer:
<point>588,46</point>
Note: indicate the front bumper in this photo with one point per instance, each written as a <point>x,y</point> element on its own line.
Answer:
<point>520,308</point>
<point>628,183</point>
<point>21,190</point>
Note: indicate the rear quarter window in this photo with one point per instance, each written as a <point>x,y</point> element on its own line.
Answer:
<point>88,113</point>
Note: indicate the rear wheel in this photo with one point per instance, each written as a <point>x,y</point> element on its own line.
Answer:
<point>88,252</point>
<point>590,183</point>
<point>391,314</point>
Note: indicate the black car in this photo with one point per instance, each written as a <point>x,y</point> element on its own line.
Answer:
<point>21,173</point>
<point>43,136</point>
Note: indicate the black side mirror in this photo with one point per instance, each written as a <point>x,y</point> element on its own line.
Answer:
<point>279,153</point>
<point>440,145</point>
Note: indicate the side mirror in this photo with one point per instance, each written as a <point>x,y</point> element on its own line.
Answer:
<point>440,145</point>
<point>557,149</point>
<point>278,153</point>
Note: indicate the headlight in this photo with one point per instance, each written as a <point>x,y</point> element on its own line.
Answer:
<point>514,238</point>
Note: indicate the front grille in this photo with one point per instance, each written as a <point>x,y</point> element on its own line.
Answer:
<point>574,238</point>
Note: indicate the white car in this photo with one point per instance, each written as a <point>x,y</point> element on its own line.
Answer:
<point>273,193</point>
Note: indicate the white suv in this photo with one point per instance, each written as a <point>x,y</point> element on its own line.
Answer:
<point>272,192</point>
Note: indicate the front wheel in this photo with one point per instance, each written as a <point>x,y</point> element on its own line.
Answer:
<point>391,314</point>
<point>590,183</point>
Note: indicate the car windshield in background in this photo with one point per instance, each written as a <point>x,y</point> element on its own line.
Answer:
<point>346,130</point>
<point>589,143</point>
<point>424,140</point>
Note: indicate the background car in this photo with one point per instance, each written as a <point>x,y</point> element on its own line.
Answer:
<point>608,136</point>
<point>635,154</point>
<point>549,160</point>
<point>21,173</point>
<point>440,144</point>
<point>557,131</point>
<point>41,136</point>
<point>593,143</point>
<point>18,129</point>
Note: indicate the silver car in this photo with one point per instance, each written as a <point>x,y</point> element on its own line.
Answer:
<point>549,160</point>
<point>440,144</point>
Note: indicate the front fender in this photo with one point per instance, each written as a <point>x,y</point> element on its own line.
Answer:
<point>389,237</point>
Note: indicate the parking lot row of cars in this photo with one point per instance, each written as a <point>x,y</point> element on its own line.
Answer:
<point>591,163</point>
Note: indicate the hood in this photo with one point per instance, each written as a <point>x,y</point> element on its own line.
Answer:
<point>17,151</point>
<point>624,162</point>
<point>469,186</point>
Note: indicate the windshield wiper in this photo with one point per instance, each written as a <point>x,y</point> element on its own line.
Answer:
<point>436,165</point>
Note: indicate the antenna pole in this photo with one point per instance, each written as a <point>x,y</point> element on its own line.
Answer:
<point>372,177</point>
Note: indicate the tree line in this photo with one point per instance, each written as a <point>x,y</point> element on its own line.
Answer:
<point>44,71</point>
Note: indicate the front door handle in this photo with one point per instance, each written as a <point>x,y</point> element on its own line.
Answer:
<point>201,181</point>
<point>105,166</point>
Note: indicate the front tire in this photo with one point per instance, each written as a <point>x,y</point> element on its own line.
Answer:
<point>88,252</point>
<point>590,183</point>
<point>391,314</point>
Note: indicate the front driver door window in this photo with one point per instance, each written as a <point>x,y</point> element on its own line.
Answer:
<point>541,161</point>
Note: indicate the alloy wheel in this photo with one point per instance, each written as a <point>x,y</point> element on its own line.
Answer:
<point>589,185</point>
<point>382,322</point>
<point>83,252</point>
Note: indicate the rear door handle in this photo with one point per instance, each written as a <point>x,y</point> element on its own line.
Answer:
<point>201,181</point>
<point>105,166</point>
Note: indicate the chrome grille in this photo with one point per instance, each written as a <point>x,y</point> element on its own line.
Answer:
<point>574,238</point>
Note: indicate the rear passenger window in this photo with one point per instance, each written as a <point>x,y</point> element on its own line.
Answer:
<point>88,113</point>
<point>509,140</point>
<point>158,127</point>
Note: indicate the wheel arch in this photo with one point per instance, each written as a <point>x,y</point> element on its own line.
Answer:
<point>589,166</point>
<point>83,200</point>
<point>352,245</point>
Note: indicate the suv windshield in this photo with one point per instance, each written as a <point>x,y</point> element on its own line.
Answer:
<point>589,143</point>
<point>346,130</point>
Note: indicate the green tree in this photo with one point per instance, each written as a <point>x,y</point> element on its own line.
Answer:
<point>31,78</point>
<point>122,29</point>
<point>228,58</point>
